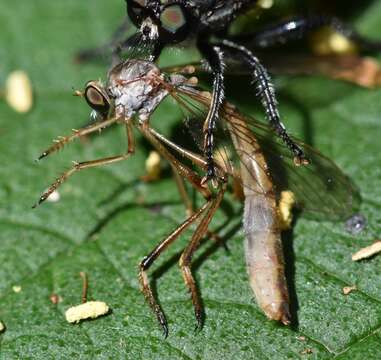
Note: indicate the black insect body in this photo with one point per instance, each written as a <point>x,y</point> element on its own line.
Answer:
<point>163,23</point>
<point>171,22</point>
<point>166,23</point>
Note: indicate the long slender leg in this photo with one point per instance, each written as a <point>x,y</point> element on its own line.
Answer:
<point>186,257</point>
<point>88,164</point>
<point>189,206</point>
<point>299,27</point>
<point>266,94</point>
<point>196,159</point>
<point>108,47</point>
<point>63,140</point>
<point>148,261</point>
<point>183,192</point>
<point>79,166</point>
<point>212,204</point>
<point>214,56</point>
<point>182,169</point>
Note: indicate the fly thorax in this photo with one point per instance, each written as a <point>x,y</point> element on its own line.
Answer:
<point>135,88</point>
<point>150,104</point>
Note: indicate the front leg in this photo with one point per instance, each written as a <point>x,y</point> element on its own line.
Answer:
<point>59,143</point>
<point>77,167</point>
<point>89,164</point>
<point>214,56</point>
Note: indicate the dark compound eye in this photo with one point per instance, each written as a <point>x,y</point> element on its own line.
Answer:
<point>97,97</point>
<point>173,23</point>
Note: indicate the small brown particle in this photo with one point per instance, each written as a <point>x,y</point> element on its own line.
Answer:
<point>54,298</point>
<point>301,338</point>
<point>348,289</point>
<point>306,351</point>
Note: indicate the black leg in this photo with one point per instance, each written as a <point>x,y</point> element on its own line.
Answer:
<point>214,56</point>
<point>299,27</point>
<point>266,94</point>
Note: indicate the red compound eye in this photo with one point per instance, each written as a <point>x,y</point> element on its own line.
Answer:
<point>173,24</point>
<point>172,18</point>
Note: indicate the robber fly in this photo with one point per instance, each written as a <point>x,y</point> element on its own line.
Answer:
<point>246,152</point>
<point>165,23</point>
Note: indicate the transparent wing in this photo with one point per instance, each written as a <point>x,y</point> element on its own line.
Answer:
<point>320,188</point>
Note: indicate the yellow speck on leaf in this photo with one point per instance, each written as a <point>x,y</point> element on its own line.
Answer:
<point>286,203</point>
<point>87,310</point>
<point>18,91</point>
<point>16,288</point>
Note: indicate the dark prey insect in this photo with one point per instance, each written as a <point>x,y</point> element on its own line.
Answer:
<point>245,153</point>
<point>206,22</point>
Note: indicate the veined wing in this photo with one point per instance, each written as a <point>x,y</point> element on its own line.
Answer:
<point>320,188</point>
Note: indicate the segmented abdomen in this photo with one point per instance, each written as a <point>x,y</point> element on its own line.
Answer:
<point>263,246</point>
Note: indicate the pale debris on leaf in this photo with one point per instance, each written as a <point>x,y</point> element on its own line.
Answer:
<point>18,91</point>
<point>153,166</point>
<point>348,289</point>
<point>368,251</point>
<point>88,310</point>
<point>286,203</point>
<point>363,71</point>
<point>2,327</point>
<point>16,288</point>
<point>54,197</point>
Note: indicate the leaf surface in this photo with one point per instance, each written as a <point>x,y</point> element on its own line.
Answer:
<point>107,220</point>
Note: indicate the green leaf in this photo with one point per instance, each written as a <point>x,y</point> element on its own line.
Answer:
<point>107,220</point>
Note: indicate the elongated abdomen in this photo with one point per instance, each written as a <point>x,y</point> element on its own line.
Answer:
<point>264,258</point>
<point>263,246</point>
